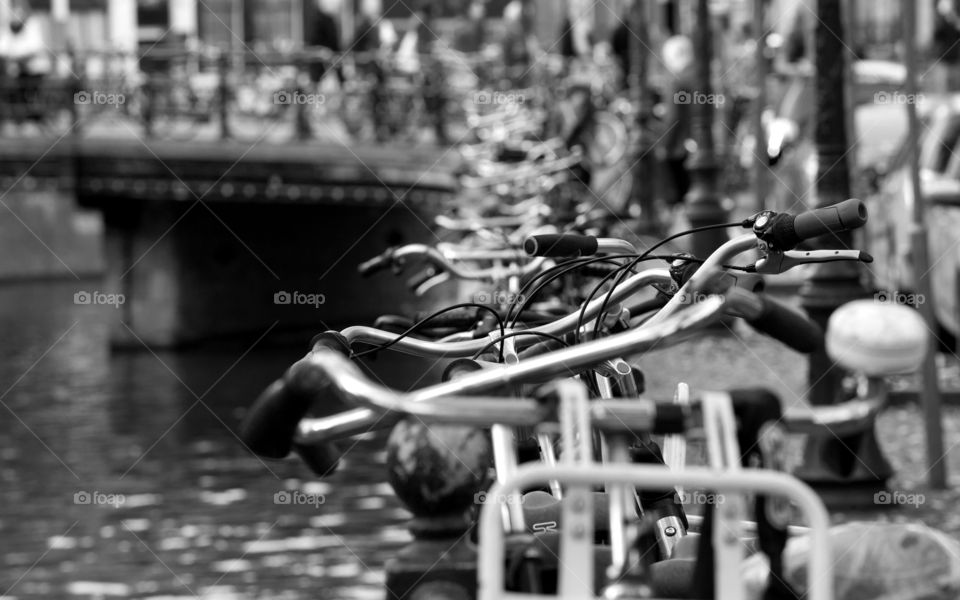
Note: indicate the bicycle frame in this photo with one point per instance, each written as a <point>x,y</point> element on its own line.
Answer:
<point>578,565</point>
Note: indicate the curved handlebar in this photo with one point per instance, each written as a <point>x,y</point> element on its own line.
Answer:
<point>326,375</point>
<point>465,349</point>
<point>524,171</point>
<point>395,256</point>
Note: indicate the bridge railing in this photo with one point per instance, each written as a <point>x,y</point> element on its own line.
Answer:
<point>272,96</point>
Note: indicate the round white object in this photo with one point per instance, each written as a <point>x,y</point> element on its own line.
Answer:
<point>877,338</point>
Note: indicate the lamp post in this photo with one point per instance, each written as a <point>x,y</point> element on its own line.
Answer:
<point>642,190</point>
<point>702,202</point>
<point>829,285</point>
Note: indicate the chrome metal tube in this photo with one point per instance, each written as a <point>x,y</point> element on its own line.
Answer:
<point>469,348</point>
<point>358,389</point>
<point>715,261</point>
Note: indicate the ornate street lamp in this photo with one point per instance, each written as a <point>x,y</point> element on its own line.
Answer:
<point>703,201</point>
<point>829,285</point>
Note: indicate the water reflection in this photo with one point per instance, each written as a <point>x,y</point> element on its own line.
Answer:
<point>121,476</point>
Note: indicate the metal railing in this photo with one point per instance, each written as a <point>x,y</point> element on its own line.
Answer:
<point>305,94</point>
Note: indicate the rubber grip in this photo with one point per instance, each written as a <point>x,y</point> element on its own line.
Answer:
<point>788,326</point>
<point>321,459</point>
<point>560,245</point>
<point>459,367</point>
<point>844,216</point>
<point>393,323</point>
<point>270,424</point>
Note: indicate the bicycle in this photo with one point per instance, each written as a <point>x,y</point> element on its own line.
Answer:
<point>178,95</point>
<point>276,423</point>
<point>41,101</point>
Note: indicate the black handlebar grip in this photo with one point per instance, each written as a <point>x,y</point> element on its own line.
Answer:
<point>271,423</point>
<point>393,323</point>
<point>460,367</point>
<point>788,326</point>
<point>322,459</point>
<point>785,231</point>
<point>559,245</point>
<point>844,216</point>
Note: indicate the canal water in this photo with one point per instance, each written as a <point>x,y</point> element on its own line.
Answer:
<point>121,475</point>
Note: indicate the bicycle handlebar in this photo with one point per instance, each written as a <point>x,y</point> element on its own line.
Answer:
<point>524,171</point>
<point>327,375</point>
<point>785,231</point>
<point>395,256</point>
<point>465,349</point>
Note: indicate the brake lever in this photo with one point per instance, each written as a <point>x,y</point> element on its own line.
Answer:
<point>776,261</point>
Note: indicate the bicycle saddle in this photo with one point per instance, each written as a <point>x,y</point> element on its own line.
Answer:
<point>533,564</point>
<point>541,513</point>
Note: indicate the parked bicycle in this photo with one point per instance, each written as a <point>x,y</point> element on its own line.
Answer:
<point>549,447</point>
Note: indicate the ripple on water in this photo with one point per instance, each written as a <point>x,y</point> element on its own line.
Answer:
<point>231,566</point>
<point>329,521</point>
<point>292,544</point>
<point>126,422</point>
<point>98,589</point>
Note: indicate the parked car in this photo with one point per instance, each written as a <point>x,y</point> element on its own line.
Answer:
<point>891,211</point>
